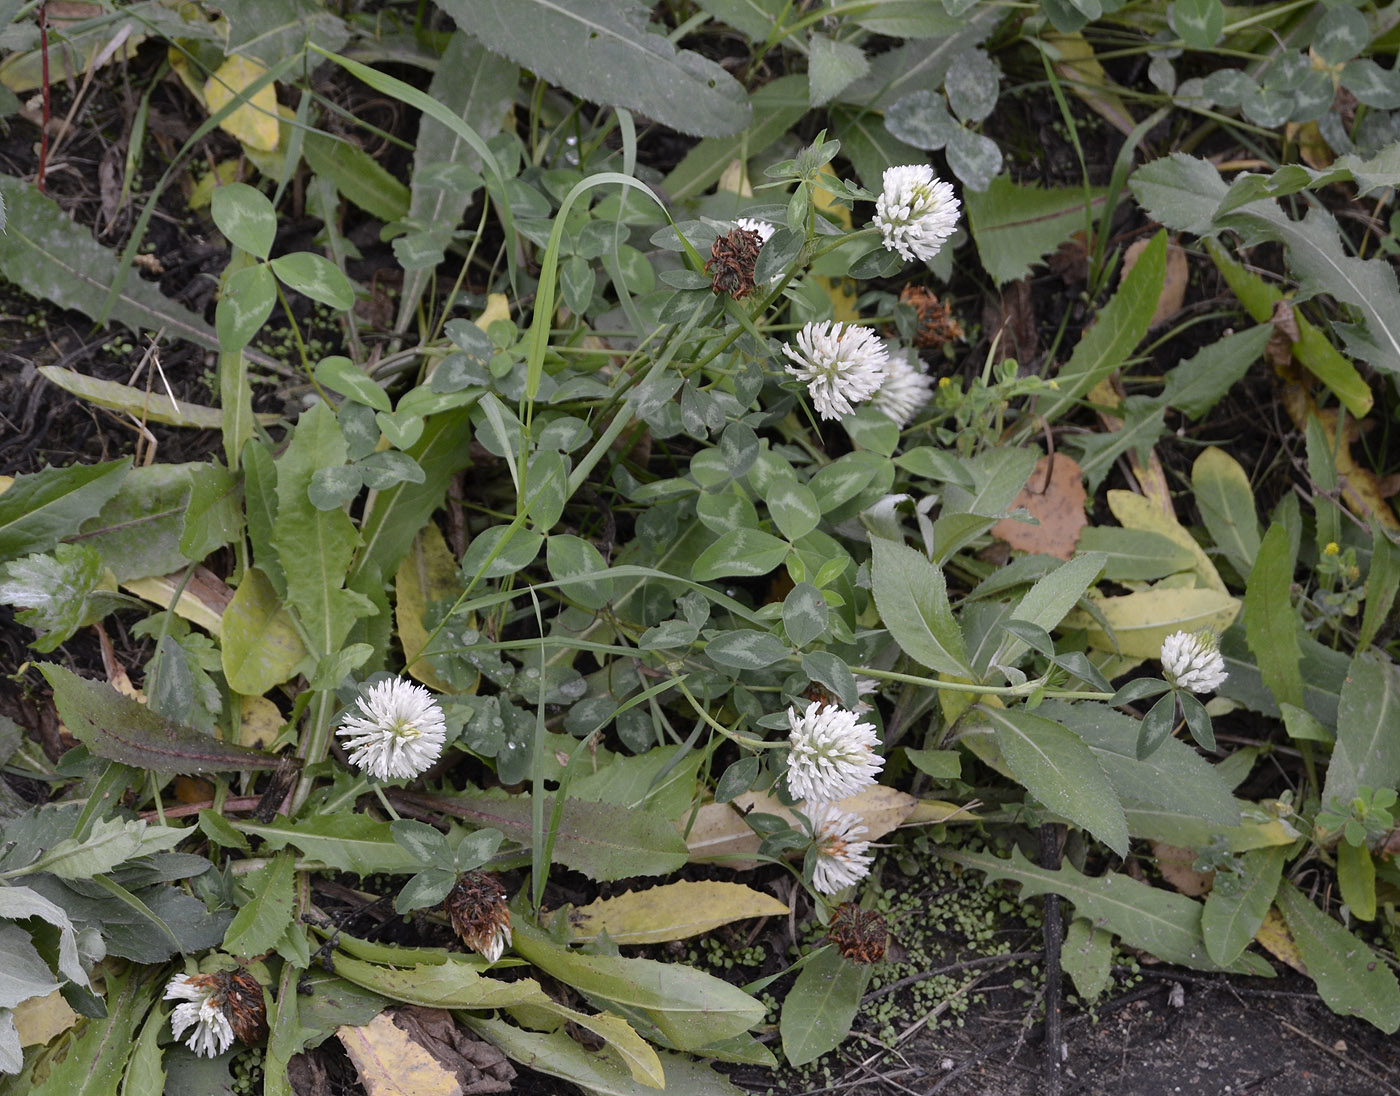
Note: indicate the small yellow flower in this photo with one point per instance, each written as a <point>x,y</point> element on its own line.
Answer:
<point>944,382</point>
<point>1332,549</point>
<point>1054,385</point>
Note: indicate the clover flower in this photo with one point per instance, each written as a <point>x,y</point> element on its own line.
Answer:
<point>201,1007</point>
<point>832,754</point>
<point>916,211</point>
<point>906,389</point>
<point>762,229</point>
<point>859,935</point>
<point>841,364</point>
<point>399,734</point>
<point>841,858</point>
<point>1192,661</point>
<point>476,906</point>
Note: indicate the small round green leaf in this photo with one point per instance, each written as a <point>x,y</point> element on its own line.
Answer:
<point>316,277</point>
<point>244,306</point>
<point>246,217</point>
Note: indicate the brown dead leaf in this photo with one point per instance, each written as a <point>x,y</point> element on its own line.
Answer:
<point>480,1068</point>
<point>1054,495</point>
<point>1011,323</point>
<point>391,1063</point>
<point>306,1073</point>
<point>1173,287</point>
<point>1175,865</point>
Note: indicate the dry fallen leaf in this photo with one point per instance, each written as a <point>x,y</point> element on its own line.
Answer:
<point>1175,865</point>
<point>390,1063</point>
<point>1054,495</point>
<point>721,832</point>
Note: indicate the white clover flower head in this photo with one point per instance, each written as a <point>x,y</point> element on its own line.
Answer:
<point>400,733</point>
<point>213,1034</point>
<point>841,364</point>
<point>1192,660</point>
<point>841,858</point>
<point>916,212</point>
<point>832,753</point>
<point>907,388</point>
<point>762,229</point>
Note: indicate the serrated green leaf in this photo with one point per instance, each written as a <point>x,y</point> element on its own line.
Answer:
<point>346,842</point>
<point>1198,383</point>
<point>118,728</point>
<point>1120,326</point>
<point>260,923</point>
<point>1160,922</point>
<point>1239,901</point>
<point>1338,962</point>
<point>110,843</point>
<point>604,50</point>
<point>1368,731</point>
<point>39,509</point>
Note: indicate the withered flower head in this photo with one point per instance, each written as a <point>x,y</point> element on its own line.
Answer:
<point>732,260</point>
<point>476,906</point>
<point>219,1006</point>
<point>860,935</point>
<point>934,324</point>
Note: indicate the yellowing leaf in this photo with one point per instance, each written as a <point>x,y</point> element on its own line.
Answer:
<point>1361,488</point>
<point>497,308</point>
<point>1141,621</point>
<point>39,1019</point>
<point>1136,512</point>
<point>202,600</point>
<point>1274,937</point>
<point>1088,80</point>
<point>254,123</point>
<point>673,911</point>
<point>428,573</point>
<point>392,1064</point>
<point>202,193</point>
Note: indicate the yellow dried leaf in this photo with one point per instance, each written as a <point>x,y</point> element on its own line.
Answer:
<point>674,911</point>
<point>734,180</point>
<point>428,573</point>
<point>1361,488</point>
<point>840,290</point>
<point>1088,80</point>
<point>255,122</point>
<point>392,1064</point>
<point>1141,621</point>
<point>39,1019</point>
<point>497,308</point>
<point>202,600</point>
<point>202,193</point>
<point>1274,937</point>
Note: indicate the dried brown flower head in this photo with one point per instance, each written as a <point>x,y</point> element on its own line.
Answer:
<point>476,906</point>
<point>934,324</point>
<point>732,260</point>
<point>860,935</point>
<point>239,996</point>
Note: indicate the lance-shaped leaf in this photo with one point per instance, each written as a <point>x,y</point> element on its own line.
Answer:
<point>118,728</point>
<point>601,840</point>
<point>913,601</point>
<point>604,50</point>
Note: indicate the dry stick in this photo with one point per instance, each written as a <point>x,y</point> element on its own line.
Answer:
<point>44,62</point>
<point>1341,1057</point>
<point>1051,842</point>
